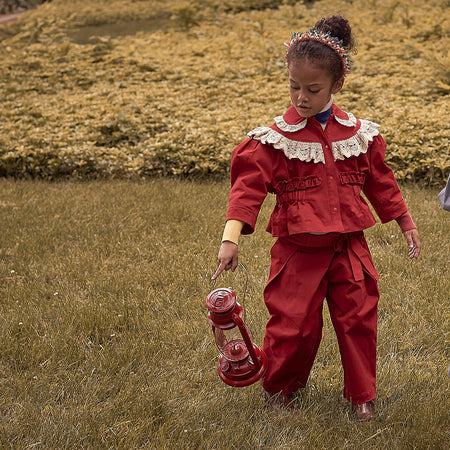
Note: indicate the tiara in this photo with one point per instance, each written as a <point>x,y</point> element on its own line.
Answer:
<point>314,34</point>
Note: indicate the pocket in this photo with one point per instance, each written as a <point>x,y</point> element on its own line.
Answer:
<point>293,190</point>
<point>359,246</point>
<point>280,254</point>
<point>354,179</point>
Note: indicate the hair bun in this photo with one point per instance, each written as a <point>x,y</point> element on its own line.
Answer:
<point>338,26</point>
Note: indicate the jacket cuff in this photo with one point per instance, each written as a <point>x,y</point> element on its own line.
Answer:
<point>405,222</point>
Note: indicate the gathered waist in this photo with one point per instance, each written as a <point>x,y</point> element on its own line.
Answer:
<point>353,244</point>
<point>311,242</point>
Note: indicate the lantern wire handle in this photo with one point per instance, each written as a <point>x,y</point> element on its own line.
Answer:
<point>245,287</point>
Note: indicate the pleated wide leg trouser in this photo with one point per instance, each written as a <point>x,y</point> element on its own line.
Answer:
<point>303,273</point>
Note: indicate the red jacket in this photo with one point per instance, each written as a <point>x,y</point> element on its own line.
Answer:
<point>317,176</point>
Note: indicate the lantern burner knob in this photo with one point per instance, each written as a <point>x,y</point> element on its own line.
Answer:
<point>235,350</point>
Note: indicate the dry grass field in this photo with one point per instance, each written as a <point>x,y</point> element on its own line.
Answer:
<point>106,344</point>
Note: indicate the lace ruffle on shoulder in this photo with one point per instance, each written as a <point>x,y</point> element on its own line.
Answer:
<point>357,144</point>
<point>304,151</point>
<point>284,126</point>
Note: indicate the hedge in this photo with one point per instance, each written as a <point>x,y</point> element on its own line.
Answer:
<point>176,97</point>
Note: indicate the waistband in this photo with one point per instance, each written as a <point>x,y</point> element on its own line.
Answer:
<point>306,241</point>
<point>353,244</point>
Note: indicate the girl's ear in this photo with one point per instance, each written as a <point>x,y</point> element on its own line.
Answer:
<point>337,86</point>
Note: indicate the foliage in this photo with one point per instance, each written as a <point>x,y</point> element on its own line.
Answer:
<point>176,97</point>
<point>12,6</point>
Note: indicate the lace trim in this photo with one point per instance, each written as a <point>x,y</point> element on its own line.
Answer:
<point>304,151</point>
<point>284,126</point>
<point>350,122</point>
<point>313,151</point>
<point>357,144</point>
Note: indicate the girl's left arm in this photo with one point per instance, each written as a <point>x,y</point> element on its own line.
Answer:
<point>382,190</point>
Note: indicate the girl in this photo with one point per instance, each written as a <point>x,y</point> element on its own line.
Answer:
<point>317,159</point>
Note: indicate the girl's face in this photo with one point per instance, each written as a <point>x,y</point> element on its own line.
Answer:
<point>311,87</point>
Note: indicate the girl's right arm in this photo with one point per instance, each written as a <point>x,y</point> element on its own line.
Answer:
<point>251,174</point>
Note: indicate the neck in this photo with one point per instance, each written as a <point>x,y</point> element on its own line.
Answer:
<point>328,105</point>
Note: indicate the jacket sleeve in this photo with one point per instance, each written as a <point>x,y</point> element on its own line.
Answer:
<point>444,196</point>
<point>381,187</point>
<point>251,173</point>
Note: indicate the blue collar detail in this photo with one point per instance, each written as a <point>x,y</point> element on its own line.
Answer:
<point>323,116</point>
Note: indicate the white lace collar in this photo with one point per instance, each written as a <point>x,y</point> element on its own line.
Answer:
<point>356,144</point>
<point>292,128</point>
<point>350,122</point>
<point>284,126</point>
<point>313,151</point>
<point>304,151</point>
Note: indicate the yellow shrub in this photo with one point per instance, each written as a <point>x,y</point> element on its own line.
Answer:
<point>175,100</point>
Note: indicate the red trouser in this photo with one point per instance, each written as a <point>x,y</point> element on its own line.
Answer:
<point>304,270</point>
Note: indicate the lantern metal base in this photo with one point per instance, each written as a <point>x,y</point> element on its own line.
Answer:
<point>241,373</point>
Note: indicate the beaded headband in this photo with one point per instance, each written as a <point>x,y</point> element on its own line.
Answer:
<point>314,34</point>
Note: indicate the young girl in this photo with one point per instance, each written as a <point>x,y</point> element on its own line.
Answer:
<point>317,159</point>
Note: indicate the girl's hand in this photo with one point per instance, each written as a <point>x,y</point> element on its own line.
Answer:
<point>413,241</point>
<point>228,258</point>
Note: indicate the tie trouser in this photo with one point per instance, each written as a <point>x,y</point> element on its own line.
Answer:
<point>305,269</point>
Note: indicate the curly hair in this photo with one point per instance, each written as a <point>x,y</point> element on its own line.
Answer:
<point>338,27</point>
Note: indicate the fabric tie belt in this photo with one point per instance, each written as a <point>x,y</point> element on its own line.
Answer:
<point>353,244</point>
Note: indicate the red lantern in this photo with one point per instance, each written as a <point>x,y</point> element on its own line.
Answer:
<point>241,362</point>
